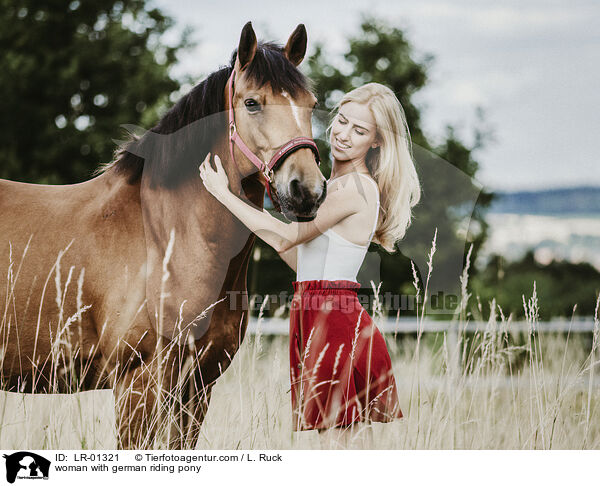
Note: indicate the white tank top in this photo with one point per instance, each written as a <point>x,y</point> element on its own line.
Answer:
<point>330,256</point>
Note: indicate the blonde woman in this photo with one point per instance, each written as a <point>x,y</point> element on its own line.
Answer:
<point>340,368</point>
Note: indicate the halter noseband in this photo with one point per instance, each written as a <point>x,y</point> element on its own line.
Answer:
<point>266,169</point>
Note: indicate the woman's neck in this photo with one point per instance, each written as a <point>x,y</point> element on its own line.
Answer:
<point>341,168</point>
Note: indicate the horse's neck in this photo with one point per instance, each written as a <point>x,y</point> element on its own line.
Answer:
<point>218,223</point>
<point>188,206</point>
<point>249,188</point>
<point>206,246</point>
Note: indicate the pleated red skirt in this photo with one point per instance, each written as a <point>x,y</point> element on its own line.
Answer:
<point>340,368</point>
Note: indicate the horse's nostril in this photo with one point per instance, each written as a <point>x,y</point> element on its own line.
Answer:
<point>295,189</point>
<point>305,199</point>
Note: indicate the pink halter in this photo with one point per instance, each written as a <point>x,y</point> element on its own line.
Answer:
<point>266,169</point>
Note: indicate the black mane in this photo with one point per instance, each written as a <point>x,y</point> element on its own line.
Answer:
<point>171,151</point>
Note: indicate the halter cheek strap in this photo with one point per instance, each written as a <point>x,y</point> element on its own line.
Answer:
<point>266,169</point>
<point>234,137</point>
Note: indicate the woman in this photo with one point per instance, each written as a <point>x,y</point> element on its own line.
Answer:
<point>340,368</point>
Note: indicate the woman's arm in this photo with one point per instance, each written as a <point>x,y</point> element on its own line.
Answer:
<point>288,256</point>
<point>281,236</point>
<point>291,258</point>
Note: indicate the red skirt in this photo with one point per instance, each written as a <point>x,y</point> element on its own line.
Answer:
<point>340,368</point>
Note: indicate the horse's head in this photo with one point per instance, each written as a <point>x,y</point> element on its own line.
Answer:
<point>273,105</point>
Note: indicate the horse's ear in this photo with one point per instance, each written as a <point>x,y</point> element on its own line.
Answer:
<point>296,45</point>
<point>246,48</point>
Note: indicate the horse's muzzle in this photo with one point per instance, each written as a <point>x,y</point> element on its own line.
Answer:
<point>300,203</point>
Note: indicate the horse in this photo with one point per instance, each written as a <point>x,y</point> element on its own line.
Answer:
<point>124,281</point>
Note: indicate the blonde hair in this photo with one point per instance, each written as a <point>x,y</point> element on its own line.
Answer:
<point>391,163</point>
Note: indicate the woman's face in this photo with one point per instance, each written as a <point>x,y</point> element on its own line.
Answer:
<point>353,132</point>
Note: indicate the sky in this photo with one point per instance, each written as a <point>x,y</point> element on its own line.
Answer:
<point>531,66</point>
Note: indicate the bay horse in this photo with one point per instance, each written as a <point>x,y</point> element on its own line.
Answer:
<point>123,281</point>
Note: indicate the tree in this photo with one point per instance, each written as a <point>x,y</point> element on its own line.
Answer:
<point>563,288</point>
<point>381,53</point>
<point>72,73</point>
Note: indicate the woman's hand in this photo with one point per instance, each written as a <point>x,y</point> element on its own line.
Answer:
<point>216,182</point>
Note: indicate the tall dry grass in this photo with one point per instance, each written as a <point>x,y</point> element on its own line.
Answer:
<point>489,390</point>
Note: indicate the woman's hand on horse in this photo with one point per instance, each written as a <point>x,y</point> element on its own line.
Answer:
<point>215,181</point>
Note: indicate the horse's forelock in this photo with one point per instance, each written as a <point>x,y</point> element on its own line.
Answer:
<point>270,66</point>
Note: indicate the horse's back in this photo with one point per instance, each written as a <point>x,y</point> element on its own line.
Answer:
<point>40,221</point>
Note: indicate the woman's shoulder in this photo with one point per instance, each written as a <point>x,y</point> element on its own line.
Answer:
<point>370,179</point>
<point>352,176</point>
<point>354,183</point>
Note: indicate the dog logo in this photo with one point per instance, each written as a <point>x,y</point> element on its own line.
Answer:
<point>26,465</point>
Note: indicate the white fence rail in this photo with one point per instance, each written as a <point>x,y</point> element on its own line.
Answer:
<point>280,326</point>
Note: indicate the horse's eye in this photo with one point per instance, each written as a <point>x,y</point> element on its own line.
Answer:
<point>252,105</point>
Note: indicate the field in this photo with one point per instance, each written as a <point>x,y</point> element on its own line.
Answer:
<point>538,395</point>
<point>492,389</point>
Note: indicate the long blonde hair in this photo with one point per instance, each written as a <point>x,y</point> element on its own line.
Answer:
<point>391,163</point>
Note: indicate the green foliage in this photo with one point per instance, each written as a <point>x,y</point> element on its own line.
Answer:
<point>560,286</point>
<point>72,73</point>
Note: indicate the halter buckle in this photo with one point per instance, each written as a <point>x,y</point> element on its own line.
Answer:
<point>268,173</point>
<point>232,130</point>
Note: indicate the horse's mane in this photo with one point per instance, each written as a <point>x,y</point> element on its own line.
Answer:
<point>169,158</point>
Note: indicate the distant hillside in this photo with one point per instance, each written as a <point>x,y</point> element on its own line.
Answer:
<point>575,200</point>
